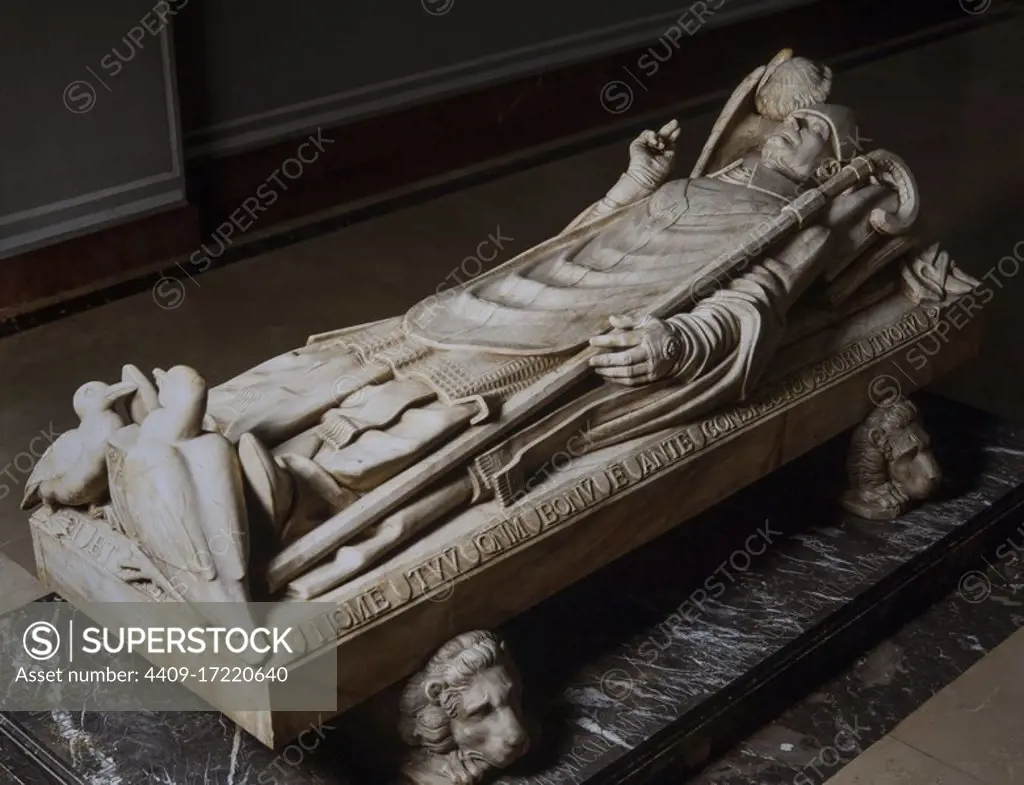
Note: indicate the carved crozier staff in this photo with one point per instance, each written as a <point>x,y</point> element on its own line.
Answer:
<point>336,531</point>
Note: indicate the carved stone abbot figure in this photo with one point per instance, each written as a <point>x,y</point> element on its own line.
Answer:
<point>891,463</point>
<point>665,300</point>
<point>500,350</point>
<point>461,714</point>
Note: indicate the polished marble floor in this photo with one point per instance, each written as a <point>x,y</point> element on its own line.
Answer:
<point>970,733</point>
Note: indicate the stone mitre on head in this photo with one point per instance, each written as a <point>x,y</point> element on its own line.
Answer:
<point>790,83</point>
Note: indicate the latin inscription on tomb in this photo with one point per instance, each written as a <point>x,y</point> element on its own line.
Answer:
<point>515,527</point>
<point>82,534</point>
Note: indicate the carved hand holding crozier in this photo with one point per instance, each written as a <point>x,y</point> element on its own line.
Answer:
<point>462,715</point>
<point>665,300</point>
<point>891,464</point>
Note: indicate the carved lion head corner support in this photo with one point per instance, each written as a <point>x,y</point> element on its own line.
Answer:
<point>461,715</point>
<point>891,465</point>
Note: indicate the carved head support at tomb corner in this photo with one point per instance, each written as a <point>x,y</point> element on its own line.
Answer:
<point>461,714</point>
<point>891,464</point>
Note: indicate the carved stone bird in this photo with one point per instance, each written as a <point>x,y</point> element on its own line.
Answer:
<point>181,496</point>
<point>73,471</point>
<point>146,397</point>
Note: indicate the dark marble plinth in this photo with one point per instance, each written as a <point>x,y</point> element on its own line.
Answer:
<point>672,655</point>
<point>885,684</point>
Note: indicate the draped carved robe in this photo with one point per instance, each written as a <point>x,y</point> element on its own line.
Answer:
<point>365,402</point>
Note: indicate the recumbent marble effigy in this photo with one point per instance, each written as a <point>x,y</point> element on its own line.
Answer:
<point>683,335</point>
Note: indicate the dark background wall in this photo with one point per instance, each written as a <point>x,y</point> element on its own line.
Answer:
<point>250,75</point>
<point>82,145</point>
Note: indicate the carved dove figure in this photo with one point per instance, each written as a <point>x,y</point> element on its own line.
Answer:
<point>73,471</point>
<point>181,496</point>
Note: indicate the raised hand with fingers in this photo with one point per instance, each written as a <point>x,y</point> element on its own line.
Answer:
<point>652,154</point>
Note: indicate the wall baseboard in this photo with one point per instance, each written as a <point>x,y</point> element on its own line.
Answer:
<point>75,267</point>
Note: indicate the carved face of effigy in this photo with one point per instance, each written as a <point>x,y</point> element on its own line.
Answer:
<point>912,465</point>
<point>799,147</point>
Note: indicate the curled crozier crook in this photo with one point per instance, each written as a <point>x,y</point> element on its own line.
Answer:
<point>891,170</point>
